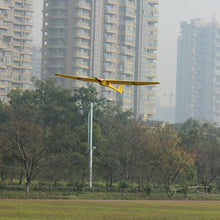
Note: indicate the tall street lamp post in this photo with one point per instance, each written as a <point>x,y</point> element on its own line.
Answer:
<point>90,130</point>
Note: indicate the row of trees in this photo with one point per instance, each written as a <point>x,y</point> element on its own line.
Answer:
<point>43,136</point>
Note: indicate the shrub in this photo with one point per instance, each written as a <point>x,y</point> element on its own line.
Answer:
<point>99,184</point>
<point>185,188</point>
<point>2,185</point>
<point>123,185</point>
<point>79,187</point>
<point>148,188</point>
<point>212,187</point>
<point>171,191</point>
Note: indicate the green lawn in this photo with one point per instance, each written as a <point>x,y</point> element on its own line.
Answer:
<point>113,210</point>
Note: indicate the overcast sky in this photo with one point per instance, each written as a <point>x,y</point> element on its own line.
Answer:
<point>171,13</point>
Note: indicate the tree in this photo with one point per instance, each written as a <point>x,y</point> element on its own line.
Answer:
<point>203,141</point>
<point>208,155</point>
<point>170,158</point>
<point>22,139</point>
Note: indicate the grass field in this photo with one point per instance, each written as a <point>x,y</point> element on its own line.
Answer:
<point>108,210</point>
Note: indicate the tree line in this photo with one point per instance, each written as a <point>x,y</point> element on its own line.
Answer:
<point>44,136</point>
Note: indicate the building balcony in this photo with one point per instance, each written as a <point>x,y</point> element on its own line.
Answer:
<point>25,2</point>
<point>128,72</point>
<point>83,5</point>
<point>109,68</point>
<point>81,55</point>
<point>151,66</point>
<point>112,59</point>
<point>23,23</point>
<point>81,45</point>
<point>3,65</point>
<point>152,36</point>
<point>8,18</point>
<point>25,51</point>
<point>111,30</point>
<point>3,26</point>
<point>110,49</point>
<point>130,12</point>
<point>77,34</point>
<point>152,56</point>
<point>113,2</point>
<point>26,31</point>
<point>3,46</point>
<point>4,7</point>
<point>112,10</point>
<point>22,15</point>
<point>8,35</point>
<point>29,9</point>
<point>111,20</point>
<point>27,60</point>
<point>152,19</point>
<point>81,65</point>
<point>29,2</point>
<point>79,24</point>
<point>152,46</point>
<point>129,43</point>
<point>153,2</point>
<point>79,14</point>
<point>22,38</point>
<point>111,39</point>
<point>21,67</point>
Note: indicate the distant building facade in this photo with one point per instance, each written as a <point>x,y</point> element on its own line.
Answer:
<point>15,45</point>
<point>108,39</point>
<point>198,72</point>
<point>36,62</point>
<point>165,113</point>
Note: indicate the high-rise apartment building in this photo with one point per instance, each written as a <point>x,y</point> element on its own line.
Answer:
<point>15,45</point>
<point>105,38</point>
<point>36,61</point>
<point>198,72</point>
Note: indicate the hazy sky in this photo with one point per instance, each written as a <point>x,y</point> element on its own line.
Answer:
<point>171,13</point>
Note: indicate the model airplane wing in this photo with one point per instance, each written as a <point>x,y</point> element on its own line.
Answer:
<point>109,82</point>
<point>77,77</point>
<point>112,81</point>
<point>131,82</point>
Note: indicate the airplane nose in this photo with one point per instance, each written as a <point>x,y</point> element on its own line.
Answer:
<point>98,79</point>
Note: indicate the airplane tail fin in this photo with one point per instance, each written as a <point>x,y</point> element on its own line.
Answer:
<point>119,89</point>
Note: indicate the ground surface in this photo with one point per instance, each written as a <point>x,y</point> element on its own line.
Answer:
<point>108,209</point>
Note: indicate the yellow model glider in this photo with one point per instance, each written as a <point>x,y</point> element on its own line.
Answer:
<point>109,82</point>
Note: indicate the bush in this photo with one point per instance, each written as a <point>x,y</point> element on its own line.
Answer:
<point>79,187</point>
<point>99,184</point>
<point>70,184</point>
<point>123,185</point>
<point>2,185</point>
<point>171,191</point>
<point>148,188</point>
<point>212,187</point>
<point>185,188</point>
